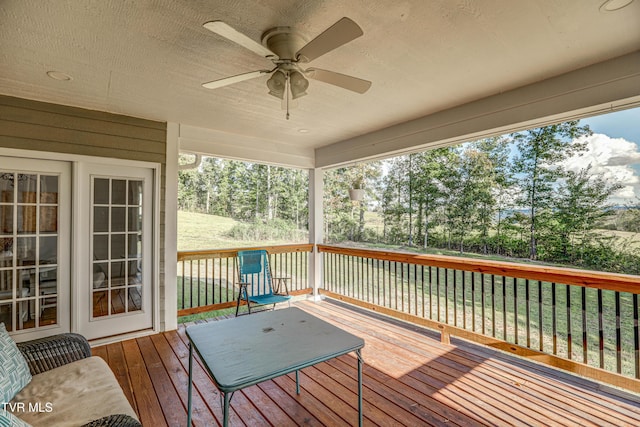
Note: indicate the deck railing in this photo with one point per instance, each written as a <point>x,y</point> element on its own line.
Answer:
<point>582,321</point>
<point>207,279</point>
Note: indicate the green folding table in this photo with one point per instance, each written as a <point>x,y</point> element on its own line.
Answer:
<point>248,350</point>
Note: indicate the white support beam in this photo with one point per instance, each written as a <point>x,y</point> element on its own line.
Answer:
<point>604,87</point>
<point>215,143</point>
<point>169,310</point>
<point>316,227</point>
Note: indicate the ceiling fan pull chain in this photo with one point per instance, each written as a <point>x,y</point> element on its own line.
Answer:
<point>287,85</point>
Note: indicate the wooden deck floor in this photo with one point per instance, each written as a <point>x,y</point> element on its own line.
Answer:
<point>409,379</point>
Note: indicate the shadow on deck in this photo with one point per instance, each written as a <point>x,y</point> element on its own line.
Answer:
<point>409,378</point>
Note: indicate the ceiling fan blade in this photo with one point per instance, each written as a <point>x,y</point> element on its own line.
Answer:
<point>234,79</point>
<point>335,36</point>
<point>237,37</point>
<point>342,80</point>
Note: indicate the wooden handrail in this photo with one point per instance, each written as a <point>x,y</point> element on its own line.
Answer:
<point>567,276</point>
<point>232,252</point>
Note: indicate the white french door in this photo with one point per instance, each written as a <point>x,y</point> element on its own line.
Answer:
<point>35,224</point>
<point>115,249</point>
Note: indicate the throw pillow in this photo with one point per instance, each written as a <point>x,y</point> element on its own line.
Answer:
<point>7,419</point>
<point>14,371</point>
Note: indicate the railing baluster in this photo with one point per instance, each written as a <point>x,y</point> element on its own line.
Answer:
<point>569,330</point>
<point>446,295</point>
<point>618,335</point>
<point>402,286</point>
<point>540,319</point>
<point>473,301</point>
<point>600,330</point>
<point>493,305</point>
<point>438,290</point>
<point>415,288</point>
<point>515,310</point>
<point>483,303</point>
<point>430,294</point>
<point>527,291</point>
<point>182,285</point>
<point>584,326</point>
<point>464,300</point>
<point>554,318</point>
<point>190,284</point>
<point>636,336</point>
<point>504,308</point>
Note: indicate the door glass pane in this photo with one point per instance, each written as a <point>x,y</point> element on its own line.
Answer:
<point>6,284</point>
<point>48,219</point>
<point>29,273</point>
<point>118,192</point>
<point>101,246</point>
<point>6,187</point>
<point>26,219</point>
<point>48,189</point>
<point>27,188</point>
<point>6,252</point>
<point>26,250</point>
<point>48,250</point>
<point>117,245</point>
<point>101,219</point>
<point>101,191</point>
<point>118,220</point>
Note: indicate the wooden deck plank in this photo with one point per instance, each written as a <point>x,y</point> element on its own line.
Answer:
<point>149,409</point>
<point>202,384</point>
<point>289,404</point>
<point>119,368</point>
<point>409,378</point>
<point>180,378</point>
<point>593,413</point>
<point>173,411</point>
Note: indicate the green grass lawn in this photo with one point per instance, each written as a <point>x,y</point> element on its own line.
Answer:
<point>202,231</point>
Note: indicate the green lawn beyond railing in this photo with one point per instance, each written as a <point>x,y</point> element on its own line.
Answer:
<point>569,318</point>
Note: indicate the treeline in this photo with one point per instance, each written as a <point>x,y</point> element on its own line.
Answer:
<point>246,192</point>
<point>506,196</point>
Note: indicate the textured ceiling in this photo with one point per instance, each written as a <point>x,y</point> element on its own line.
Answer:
<point>148,58</point>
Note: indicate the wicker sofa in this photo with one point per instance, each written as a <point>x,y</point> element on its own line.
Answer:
<point>79,389</point>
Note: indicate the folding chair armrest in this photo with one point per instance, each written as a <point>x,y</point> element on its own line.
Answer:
<point>278,281</point>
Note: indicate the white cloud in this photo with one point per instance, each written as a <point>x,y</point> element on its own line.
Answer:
<point>612,158</point>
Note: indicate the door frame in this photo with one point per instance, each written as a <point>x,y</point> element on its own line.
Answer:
<point>76,160</point>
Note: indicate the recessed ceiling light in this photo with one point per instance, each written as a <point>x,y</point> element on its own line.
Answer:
<point>59,75</point>
<point>613,5</point>
<point>303,130</point>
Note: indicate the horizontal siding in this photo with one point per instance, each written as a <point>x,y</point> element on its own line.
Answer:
<point>45,127</point>
<point>41,126</point>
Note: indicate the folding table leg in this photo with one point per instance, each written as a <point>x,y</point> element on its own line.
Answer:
<point>225,413</point>
<point>190,385</point>
<point>359,387</point>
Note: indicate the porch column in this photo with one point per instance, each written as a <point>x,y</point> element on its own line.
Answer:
<point>316,188</point>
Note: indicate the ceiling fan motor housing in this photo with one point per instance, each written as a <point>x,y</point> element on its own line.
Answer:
<point>284,42</point>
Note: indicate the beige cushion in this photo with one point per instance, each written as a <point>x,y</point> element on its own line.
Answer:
<point>78,393</point>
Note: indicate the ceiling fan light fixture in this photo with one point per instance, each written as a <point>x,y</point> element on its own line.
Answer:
<point>276,84</point>
<point>298,84</point>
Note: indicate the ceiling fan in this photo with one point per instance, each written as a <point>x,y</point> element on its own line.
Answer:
<point>286,48</point>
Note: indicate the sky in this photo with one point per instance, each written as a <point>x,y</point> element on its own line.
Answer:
<point>614,151</point>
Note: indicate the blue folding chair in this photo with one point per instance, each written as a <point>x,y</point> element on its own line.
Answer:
<point>256,280</point>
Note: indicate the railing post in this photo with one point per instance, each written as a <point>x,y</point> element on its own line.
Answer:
<point>316,188</point>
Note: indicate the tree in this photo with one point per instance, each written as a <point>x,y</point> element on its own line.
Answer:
<point>539,153</point>
<point>580,207</point>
